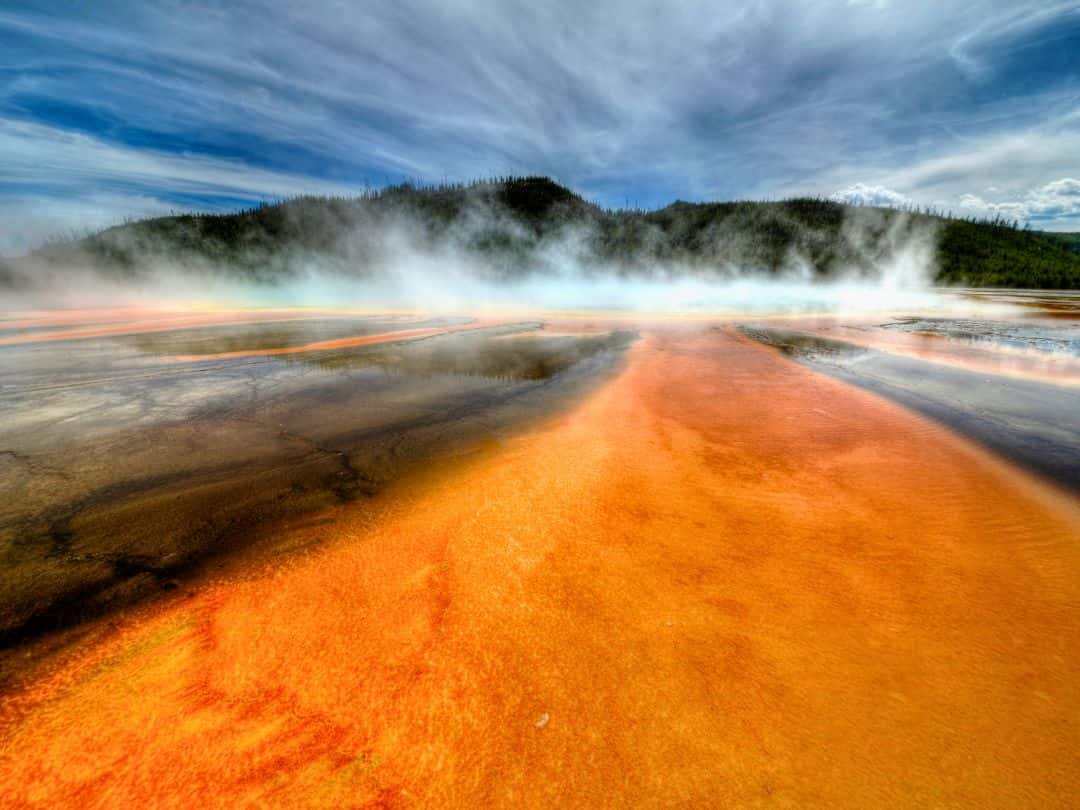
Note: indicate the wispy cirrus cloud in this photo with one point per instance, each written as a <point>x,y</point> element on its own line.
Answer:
<point>60,183</point>
<point>204,105</point>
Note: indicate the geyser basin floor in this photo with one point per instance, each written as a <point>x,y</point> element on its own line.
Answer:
<point>124,460</point>
<point>1032,422</point>
<point>721,579</point>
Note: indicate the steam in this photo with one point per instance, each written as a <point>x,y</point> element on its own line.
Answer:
<point>400,264</point>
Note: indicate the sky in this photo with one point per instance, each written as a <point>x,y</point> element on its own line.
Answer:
<point>110,111</point>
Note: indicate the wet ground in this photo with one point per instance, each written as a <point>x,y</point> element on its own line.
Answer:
<point>621,563</point>
<point>124,459</point>
<point>1008,378</point>
<point>1030,421</point>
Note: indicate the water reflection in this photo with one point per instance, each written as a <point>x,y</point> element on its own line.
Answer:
<point>120,466</point>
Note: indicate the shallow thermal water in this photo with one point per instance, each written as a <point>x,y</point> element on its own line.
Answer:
<point>1037,337</point>
<point>1006,401</point>
<point>125,458</point>
<point>303,558</point>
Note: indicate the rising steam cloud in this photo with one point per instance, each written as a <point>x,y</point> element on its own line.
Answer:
<point>400,263</point>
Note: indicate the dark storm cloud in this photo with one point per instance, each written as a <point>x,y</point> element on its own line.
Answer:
<point>114,109</point>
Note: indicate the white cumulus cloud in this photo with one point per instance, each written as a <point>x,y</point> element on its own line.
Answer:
<point>863,194</point>
<point>1057,200</point>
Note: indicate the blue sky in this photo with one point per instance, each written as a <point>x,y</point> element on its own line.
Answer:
<point>112,110</point>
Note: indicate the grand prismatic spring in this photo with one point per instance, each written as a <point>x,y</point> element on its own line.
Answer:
<point>320,558</point>
<point>466,404</point>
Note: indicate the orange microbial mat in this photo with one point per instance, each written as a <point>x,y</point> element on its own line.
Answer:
<point>718,579</point>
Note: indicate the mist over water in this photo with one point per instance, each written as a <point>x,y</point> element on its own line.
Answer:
<point>456,292</point>
<point>403,273</point>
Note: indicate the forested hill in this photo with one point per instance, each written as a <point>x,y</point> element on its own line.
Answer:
<point>517,226</point>
<point>1069,240</point>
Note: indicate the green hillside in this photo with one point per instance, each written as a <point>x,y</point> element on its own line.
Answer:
<point>1069,240</point>
<point>516,226</point>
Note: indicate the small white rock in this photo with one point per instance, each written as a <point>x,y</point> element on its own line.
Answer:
<point>543,721</point>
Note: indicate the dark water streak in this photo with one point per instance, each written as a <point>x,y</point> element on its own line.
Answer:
<point>1033,423</point>
<point>120,469</point>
